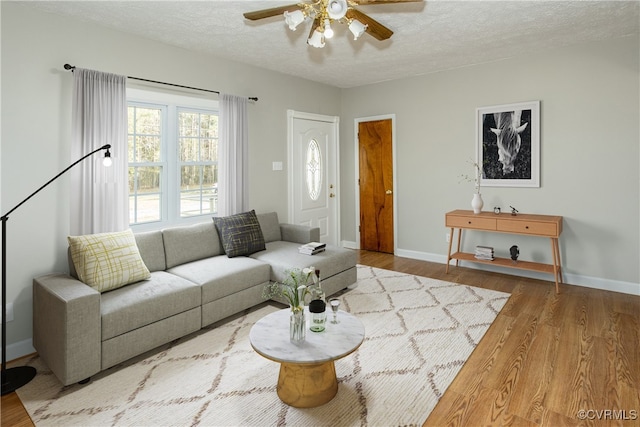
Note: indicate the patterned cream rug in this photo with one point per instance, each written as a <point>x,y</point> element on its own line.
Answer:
<point>419,333</point>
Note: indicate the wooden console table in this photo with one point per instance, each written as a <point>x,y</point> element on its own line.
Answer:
<point>527,224</point>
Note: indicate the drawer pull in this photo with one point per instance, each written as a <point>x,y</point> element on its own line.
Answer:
<point>469,222</point>
<point>526,226</point>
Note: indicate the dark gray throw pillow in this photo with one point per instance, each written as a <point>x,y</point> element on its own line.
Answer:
<point>240,234</point>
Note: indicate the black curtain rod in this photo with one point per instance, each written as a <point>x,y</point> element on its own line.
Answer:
<point>253,98</point>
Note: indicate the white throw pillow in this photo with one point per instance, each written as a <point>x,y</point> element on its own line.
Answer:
<point>107,261</point>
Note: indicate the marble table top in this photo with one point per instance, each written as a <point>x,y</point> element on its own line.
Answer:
<point>269,337</point>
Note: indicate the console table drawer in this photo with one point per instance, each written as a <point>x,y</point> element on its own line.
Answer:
<point>528,227</point>
<point>479,223</point>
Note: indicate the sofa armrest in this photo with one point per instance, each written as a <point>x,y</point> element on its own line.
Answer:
<point>67,326</point>
<point>299,233</point>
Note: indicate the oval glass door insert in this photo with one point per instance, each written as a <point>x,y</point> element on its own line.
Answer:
<point>314,170</point>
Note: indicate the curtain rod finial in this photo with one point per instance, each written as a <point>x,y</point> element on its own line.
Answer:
<point>69,67</point>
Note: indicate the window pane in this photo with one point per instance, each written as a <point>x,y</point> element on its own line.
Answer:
<point>189,149</point>
<point>144,194</point>
<point>209,177</point>
<point>188,124</point>
<point>147,121</point>
<point>144,208</point>
<point>147,149</point>
<point>209,150</point>
<point>314,170</point>
<point>190,203</point>
<point>148,179</point>
<point>189,178</point>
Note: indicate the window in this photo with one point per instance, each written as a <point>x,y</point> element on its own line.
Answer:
<point>173,158</point>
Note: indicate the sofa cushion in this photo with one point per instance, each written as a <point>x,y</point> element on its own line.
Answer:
<point>284,255</point>
<point>270,226</point>
<point>190,243</point>
<point>107,261</point>
<point>221,276</point>
<point>140,304</point>
<point>151,247</point>
<point>240,234</point>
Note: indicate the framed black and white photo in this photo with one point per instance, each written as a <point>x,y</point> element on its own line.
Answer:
<point>508,144</point>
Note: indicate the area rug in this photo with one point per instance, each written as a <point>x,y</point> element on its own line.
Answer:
<point>419,333</point>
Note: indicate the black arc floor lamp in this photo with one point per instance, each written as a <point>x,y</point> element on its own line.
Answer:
<point>14,378</point>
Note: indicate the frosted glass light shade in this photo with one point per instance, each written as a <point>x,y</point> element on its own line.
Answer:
<point>293,19</point>
<point>337,9</point>
<point>316,39</point>
<point>357,28</point>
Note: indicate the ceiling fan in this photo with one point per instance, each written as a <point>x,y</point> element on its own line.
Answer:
<point>324,12</point>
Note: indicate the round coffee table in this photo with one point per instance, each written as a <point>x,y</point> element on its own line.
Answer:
<point>307,371</point>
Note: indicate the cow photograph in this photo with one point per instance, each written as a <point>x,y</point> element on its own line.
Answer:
<point>508,145</point>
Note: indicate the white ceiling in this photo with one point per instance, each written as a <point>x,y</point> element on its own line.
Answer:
<point>429,36</point>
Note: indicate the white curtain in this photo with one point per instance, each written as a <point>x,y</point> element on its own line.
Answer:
<point>233,155</point>
<point>99,195</point>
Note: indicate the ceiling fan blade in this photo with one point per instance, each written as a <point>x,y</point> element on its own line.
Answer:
<point>374,28</point>
<point>364,2</point>
<point>268,13</point>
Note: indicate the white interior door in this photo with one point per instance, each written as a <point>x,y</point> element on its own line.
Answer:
<point>313,173</point>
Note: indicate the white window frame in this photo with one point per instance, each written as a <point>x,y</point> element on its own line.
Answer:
<point>172,103</point>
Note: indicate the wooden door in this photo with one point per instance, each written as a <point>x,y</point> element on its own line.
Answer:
<point>375,149</point>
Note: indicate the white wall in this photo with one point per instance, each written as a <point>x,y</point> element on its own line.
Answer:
<point>36,120</point>
<point>590,138</point>
<point>589,96</point>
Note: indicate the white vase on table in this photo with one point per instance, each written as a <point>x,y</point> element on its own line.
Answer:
<point>477,203</point>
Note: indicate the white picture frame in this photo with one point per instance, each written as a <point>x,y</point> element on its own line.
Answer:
<point>508,144</point>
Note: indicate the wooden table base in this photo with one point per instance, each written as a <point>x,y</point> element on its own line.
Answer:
<point>307,385</point>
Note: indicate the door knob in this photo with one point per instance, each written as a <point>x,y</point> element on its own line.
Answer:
<point>389,192</point>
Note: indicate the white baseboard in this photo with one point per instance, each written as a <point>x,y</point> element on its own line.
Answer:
<point>19,349</point>
<point>569,279</point>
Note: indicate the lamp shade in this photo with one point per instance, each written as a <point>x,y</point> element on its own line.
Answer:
<point>336,9</point>
<point>293,19</point>
<point>357,28</point>
<point>316,39</point>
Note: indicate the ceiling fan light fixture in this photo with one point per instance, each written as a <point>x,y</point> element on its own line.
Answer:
<point>316,39</point>
<point>337,9</point>
<point>293,19</point>
<point>357,28</point>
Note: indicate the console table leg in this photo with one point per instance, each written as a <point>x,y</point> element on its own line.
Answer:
<point>449,253</point>
<point>557,265</point>
<point>458,248</point>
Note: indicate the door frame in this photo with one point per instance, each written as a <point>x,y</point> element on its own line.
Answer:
<point>334,121</point>
<point>356,123</point>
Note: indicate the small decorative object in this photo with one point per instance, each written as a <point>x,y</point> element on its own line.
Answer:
<point>514,211</point>
<point>496,210</point>
<point>335,304</point>
<point>476,203</point>
<point>293,289</point>
<point>297,326</point>
<point>514,253</point>
<point>317,308</point>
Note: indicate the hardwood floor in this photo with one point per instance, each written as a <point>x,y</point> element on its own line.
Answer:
<point>546,358</point>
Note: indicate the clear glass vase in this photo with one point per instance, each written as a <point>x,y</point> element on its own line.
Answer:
<point>297,325</point>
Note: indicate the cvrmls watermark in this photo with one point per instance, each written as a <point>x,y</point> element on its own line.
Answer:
<point>608,414</point>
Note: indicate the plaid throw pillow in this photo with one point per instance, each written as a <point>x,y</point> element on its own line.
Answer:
<point>240,234</point>
<point>107,261</point>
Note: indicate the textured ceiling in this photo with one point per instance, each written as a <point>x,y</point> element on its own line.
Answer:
<point>429,36</point>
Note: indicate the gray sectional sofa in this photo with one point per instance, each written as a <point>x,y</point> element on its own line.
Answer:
<point>79,331</point>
